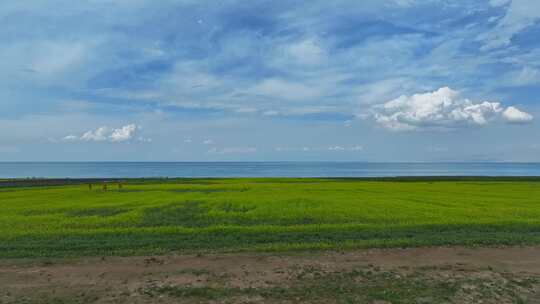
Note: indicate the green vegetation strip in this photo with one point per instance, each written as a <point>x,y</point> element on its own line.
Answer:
<point>154,216</point>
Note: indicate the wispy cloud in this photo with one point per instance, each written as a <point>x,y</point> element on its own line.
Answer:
<point>233,150</point>
<point>333,148</point>
<point>520,15</point>
<point>301,70</point>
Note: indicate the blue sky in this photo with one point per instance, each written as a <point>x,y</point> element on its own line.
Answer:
<point>183,80</point>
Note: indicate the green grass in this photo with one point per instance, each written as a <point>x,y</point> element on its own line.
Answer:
<point>159,216</point>
<point>340,287</point>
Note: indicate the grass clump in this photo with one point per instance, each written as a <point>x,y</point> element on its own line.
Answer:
<point>314,286</point>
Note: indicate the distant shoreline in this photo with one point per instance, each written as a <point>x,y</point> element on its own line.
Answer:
<point>265,161</point>
<point>161,170</point>
<point>30,182</point>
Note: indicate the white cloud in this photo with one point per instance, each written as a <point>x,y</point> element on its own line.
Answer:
<point>336,148</point>
<point>100,134</point>
<point>340,148</point>
<point>514,115</point>
<point>66,138</point>
<point>233,150</point>
<point>125,133</point>
<point>440,109</point>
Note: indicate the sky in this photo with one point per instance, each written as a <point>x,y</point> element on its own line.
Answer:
<point>195,80</point>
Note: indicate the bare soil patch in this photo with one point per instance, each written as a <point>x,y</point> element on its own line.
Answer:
<point>414,275</point>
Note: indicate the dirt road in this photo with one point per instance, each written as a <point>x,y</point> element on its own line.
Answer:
<point>416,275</point>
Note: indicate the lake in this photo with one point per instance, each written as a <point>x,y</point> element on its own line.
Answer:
<point>259,169</point>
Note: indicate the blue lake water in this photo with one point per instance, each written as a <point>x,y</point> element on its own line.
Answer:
<point>259,169</point>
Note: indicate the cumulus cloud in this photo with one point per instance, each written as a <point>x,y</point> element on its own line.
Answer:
<point>441,109</point>
<point>123,134</point>
<point>514,115</point>
<point>100,134</point>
